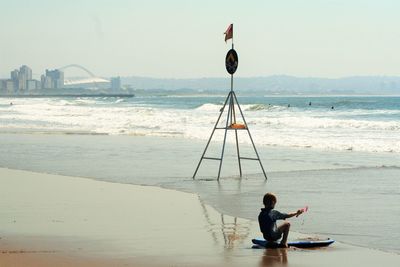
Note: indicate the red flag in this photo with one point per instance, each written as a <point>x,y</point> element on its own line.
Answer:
<point>229,33</point>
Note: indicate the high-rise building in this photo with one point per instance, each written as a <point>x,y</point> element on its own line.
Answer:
<point>14,77</point>
<point>2,85</point>
<point>10,86</point>
<point>20,81</point>
<point>53,79</point>
<point>14,74</point>
<point>115,83</point>
<point>46,82</point>
<point>57,78</point>
<point>25,74</point>
<point>32,85</point>
<point>26,71</point>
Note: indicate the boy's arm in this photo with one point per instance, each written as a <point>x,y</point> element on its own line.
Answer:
<point>276,215</point>
<point>297,213</point>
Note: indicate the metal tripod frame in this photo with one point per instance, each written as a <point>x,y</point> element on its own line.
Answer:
<point>230,120</point>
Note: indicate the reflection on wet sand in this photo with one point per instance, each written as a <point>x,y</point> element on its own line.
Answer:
<point>231,230</point>
<point>274,257</point>
<point>235,231</point>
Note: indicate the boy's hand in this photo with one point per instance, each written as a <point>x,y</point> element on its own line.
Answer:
<point>300,211</point>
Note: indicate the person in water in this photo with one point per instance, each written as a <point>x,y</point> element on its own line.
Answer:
<point>268,217</point>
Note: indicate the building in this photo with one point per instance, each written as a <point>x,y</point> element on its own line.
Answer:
<point>21,81</point>
<point>10,86</point>
<point>53,79</point>
<point>58,80</point>
<point>45,82</point>
<point>115,83</point>
<point>32,85</point>
<point>25,74</point>
<point>2,85</point>
<point>14,77</point>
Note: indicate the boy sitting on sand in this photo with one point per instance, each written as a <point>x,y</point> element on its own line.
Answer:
<point>267,220</point>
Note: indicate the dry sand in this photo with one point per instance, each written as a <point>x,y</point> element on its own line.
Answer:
<point>52,220</point>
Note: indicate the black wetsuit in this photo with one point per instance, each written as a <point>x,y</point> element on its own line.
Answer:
<point>267,220</point>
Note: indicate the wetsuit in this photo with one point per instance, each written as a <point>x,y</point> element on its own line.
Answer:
<point>267,220</point>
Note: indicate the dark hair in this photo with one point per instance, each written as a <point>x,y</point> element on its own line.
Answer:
<point>268,199</point>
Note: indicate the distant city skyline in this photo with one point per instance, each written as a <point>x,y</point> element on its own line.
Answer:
<point>184,39</point>
<point>21,81</point>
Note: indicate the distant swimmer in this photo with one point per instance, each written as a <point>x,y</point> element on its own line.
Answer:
<point>332,107</point>
<point>11,103</point>
<point>288,105</point>
<point>309,103</point>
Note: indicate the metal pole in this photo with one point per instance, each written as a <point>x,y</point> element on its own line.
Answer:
<point>233,107</point>
<point>226,130</point>
<point>233,115</point>
<point>234,121</point>
<point>251,138</point>
<point>212,133</point>
<point>228,123</point>
<point>237,143</point>
<point>238,153</point>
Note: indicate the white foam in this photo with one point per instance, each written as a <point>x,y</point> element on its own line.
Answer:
<point>209,107</point>
<point>338,130</point>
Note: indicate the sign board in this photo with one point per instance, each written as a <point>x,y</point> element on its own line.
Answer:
<point>231,61</point>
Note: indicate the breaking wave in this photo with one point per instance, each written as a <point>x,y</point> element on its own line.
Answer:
<point>374,130</point>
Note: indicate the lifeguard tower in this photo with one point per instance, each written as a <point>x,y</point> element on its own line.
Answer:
<point>231,64</point>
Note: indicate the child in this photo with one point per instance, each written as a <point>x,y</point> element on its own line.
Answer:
<point>267,220</point>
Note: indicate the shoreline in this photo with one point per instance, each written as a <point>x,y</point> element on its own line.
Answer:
<point>66,225</point>
<point>298,234</point>
<point>314,179</point>
<point>81,229</point>
<point>25,131</point>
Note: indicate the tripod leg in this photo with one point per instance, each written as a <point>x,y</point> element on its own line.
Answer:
<point>238,153</point>
<point>233,115</point>
<point>212,133</point>
<point>226,130</point>
<point>251,138</point>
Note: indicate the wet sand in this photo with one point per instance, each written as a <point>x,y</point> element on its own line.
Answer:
<point>53,220</point>
<point>350,185</point>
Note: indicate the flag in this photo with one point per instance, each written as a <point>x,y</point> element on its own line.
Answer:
<point>229,33</point>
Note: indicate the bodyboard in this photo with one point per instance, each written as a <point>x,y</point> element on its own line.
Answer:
<point>298,244</point>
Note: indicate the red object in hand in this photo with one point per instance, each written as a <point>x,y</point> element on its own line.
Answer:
<point>305,209</point>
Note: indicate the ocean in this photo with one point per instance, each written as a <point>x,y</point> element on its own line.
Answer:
<point>342,162</point>
<point>355,123</point>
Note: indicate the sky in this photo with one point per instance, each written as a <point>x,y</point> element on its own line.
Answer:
<point>184,38</point>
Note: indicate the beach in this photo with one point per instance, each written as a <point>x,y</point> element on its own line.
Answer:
<point>53,220</point>
<point>171,133</point>
<point>341,188</point>
<point>85,181</point>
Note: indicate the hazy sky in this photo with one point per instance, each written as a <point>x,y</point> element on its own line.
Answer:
<point>184,39</point>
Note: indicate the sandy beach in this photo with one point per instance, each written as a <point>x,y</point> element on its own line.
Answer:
<point>53,220</point>
<point>341,188</point>
<point>158,134</point>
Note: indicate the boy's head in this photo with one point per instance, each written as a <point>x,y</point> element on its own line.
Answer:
<point>269,200</point>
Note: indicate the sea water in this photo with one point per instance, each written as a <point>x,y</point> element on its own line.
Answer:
<point>333,123</point>
<point>344,163</point>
